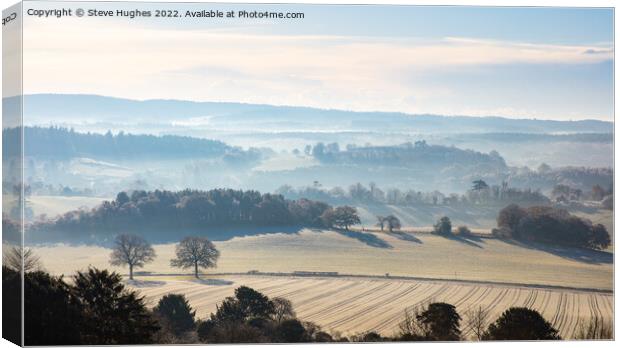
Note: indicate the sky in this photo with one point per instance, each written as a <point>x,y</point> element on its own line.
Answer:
<point>546,63</point>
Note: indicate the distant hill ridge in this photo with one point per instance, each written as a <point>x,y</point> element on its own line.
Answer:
<point>43,109</point>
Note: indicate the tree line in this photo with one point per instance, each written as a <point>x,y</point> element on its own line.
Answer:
<point>63,143</point>
<point>480,194</point>
<point>189,209</point>
<point>550,225</point>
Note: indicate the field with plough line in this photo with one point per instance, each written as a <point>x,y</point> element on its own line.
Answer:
<point>352,305</point>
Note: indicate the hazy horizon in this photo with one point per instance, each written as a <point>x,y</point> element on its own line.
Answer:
<point>540,63</point>
<point>516,117</point>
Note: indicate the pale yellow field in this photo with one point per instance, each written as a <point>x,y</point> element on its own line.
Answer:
<point>353,305</point>
<point>416,255</point>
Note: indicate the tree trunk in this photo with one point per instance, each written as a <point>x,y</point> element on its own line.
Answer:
<point>196,269</point>
<point>131,272</point>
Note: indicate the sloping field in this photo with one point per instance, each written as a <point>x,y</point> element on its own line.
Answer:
<point>364,253</point>
<point>353,305</point>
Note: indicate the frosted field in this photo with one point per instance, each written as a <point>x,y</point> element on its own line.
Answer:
<point>354,305</point>
<point>403,254</point>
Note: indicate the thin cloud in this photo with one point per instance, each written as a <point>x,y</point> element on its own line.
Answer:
<point>351,72</point>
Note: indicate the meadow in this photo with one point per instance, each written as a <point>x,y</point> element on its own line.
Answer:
<point>365,253</point>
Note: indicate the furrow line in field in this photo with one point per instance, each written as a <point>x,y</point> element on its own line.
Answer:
<point>576,316</point>
<point>395,318</point>
<point>337,306</point>
<point>370,299</point>
<point>381,302</point>
<point>394,311</point>
<point>343,287</point>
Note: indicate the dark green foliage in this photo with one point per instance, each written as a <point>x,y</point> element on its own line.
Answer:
<point>520,323</point>
<point>510,216</point>
<point>599,237</point>
<point>253,304</point>
<point>51,312</point>
<point>236,332</point>
<point>434,157</point>
<point>176,313</point>
<point>55,142</point>
<point>552,226</point>
<point>111,314</point>
<point>441,321</point>
<point>370,336</point>
<point>251,317</point>
<point>247,304</point>
<point>393,223</point>
<point>443,226</point>
<point>161,210</point>
<point>291,331</point>
<point>95,309</point>
<point>341,217</point>
<point>463,231</point>
<point>11,305</point>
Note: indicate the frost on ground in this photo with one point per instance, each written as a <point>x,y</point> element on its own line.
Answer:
<point>353,305</point>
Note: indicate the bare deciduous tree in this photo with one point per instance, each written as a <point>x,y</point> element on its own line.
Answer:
<point>15,255</point>
<point>381,222</point>
<point>195,252</point>
<point>477,320</point>
<point>131,250</point>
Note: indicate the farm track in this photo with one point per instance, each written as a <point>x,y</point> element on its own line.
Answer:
<point>354,305</point>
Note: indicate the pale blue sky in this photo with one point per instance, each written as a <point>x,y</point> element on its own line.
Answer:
<point>554,63</point>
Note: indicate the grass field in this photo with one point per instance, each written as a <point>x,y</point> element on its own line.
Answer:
<point>354,305</point>
<point>400,254</point>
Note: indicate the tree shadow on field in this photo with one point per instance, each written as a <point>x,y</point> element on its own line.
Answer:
<point>215,282</point>
<point>366,238</point>
<point>472,241</point>
<point>145,283</point>
<point>405,236</point>
<point>590,256</point>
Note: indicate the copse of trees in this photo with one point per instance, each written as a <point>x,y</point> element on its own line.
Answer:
<point>94,308</point>
<point>443,226</point>
<point>550,225</point>
<point>519,323</point>
<point>251,317</point>
<point>341,217</point>
<point>176,314</point>
<point>391,222</point>
<point>165,210</point>
<point>433,156</point>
